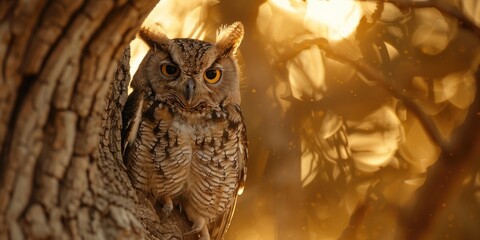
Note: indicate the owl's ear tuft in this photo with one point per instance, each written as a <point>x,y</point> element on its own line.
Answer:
<point>229,38</point>
<point>153,38</point>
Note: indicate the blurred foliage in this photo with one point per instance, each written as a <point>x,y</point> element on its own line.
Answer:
<point>336,151</point>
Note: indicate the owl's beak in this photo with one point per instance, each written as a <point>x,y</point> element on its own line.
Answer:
<point>189,90</point>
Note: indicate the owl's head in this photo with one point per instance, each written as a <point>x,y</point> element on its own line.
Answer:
<point>192,75</point>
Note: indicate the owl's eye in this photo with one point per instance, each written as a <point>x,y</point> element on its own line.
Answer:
<point>212,75</point>
<point>170,70</point>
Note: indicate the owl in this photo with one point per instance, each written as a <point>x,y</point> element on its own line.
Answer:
<point>184,138</point>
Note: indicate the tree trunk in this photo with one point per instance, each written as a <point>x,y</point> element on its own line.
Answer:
<point>61,169</point>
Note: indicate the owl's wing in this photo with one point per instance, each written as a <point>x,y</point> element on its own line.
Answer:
<point>221,224</point>
<point>131,118</point>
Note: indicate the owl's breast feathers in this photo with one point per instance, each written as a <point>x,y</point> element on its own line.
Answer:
<point>201,159</point>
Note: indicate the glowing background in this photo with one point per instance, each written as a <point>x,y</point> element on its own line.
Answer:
<point>326,140</point>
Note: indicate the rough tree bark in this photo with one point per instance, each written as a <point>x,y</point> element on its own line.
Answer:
<point>61,171</point>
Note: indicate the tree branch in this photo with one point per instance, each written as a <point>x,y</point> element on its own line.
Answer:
<point>442,6</point>
<point>374,74</point>
<point>445,177</point>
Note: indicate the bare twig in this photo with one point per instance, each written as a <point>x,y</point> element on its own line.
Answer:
<point>445,177</point>
<point>356,221</point>
<point>441,6</point>
<point>376,75</point>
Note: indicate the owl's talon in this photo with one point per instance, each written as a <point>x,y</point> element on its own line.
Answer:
<point>201,230</point>
<point>167,206</point>
<point>199,223</point>
<point>167,209</point>
<point>193,231</point>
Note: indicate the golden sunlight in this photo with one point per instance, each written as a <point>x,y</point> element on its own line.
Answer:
<point>337,18</point>
<point>331,19</point>
<point>331,141</point>
<point>333,119</point>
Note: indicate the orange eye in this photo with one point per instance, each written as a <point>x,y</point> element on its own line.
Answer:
<point>170,70</point>
<point>212,75</point>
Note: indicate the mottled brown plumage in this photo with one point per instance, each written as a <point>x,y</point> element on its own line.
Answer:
<point>184,137</point>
